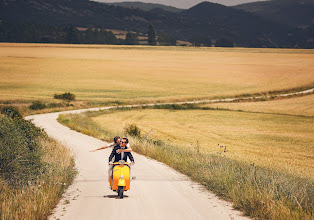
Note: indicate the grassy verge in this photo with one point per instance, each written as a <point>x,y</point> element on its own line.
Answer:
<point>260,192</point>
<point>34,172</point>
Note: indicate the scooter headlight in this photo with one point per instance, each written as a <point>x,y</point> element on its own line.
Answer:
<point>121,176</point>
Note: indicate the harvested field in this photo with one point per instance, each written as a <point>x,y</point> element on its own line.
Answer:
<point>303,106</point>
<point>138,74</point>
<point>275,141</point>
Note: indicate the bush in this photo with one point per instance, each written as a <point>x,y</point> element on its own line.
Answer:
<point>11,112</point>
<point>132,130</point>
<point>37,105</point>
<point>19,150</point>
<point>68,97</point>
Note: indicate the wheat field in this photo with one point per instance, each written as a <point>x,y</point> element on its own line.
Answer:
<point>302,106</point>
<point>141,74</point>
<point>275,141</point>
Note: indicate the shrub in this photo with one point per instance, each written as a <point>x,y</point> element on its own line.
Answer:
<point>132,130</point>
<point>68,97</point>
<point>20,150</point>
<point>11,112</point>
<point>37,105</point>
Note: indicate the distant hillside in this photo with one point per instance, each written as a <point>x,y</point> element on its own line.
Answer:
<point>216,21</point>
<point>295,13</point>
<point>203,24</point>
<point>78,12</point>
<point>146,6</point>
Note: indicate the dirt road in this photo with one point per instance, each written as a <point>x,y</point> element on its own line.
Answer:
<point>158,192</point>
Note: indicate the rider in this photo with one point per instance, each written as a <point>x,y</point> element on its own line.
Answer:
<point>124,155</point>
<point>114,144</point>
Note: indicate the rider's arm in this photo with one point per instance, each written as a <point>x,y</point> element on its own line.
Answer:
<point>128,149</point>
<point>131,158</point>
<point>101,148</point>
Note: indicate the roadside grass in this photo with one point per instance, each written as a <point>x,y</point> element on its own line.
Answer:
<point>101,74</point>
<point>283,142</point>
<point>26,194</point>
<point>261,192</point>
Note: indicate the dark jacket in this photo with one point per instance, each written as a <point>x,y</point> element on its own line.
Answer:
<point>117,156</point>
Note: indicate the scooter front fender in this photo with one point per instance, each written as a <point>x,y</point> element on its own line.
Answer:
<point>121,182</point>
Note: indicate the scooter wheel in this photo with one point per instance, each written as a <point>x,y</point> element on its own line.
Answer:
<point>120,192</point>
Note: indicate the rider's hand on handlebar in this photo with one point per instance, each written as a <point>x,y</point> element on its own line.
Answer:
<point>132,164</point>
<point>110,163</point>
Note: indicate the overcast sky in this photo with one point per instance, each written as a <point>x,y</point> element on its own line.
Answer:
<point>184,3</point>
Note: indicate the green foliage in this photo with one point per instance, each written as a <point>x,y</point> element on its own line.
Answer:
<point>98,36</point>
<point>37,105</point>
<point>166,40</point>
<point>223,42</point>
<point>11,112</point>
<point>39,33</point>
<point>132,130</point>
<point>131,39</point>
<point>176,106</point>
<point>65,96</point>
<point>68,97</point>
<point>151,35</point>
<point>20,150</point>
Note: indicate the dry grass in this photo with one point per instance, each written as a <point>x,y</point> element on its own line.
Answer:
<point>36,200</point>
<point>303,106</point>
<point>278,141</point>
<point>129,74</point>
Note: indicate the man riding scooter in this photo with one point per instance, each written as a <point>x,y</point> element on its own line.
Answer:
<point>117,155</point>
<point>119,169</point>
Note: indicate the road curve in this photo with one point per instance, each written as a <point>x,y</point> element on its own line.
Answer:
<point>158,192</point>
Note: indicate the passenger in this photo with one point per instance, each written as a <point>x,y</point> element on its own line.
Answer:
<point>114,144</point>
<point>119,152</point>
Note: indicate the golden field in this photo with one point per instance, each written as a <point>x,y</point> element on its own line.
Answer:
<point>302,106</point>
<point>139,74</point>
<point>276,141</point>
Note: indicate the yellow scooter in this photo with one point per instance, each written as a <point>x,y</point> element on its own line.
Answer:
<point>120,180</point>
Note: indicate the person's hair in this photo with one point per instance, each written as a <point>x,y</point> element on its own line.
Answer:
<point>126,140</point>
<point>116,138</point>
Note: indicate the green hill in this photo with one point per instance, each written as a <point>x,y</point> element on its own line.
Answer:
<point>205,23</point>
<point>295,13</point>
<point>146,6</point>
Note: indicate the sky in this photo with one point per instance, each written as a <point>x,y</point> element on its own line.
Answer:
<point>185,3</point>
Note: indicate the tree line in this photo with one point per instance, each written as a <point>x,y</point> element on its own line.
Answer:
<point>69,34</point>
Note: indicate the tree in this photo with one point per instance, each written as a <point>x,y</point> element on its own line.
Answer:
<point>72,34</point>
<point>131,39</point>
<point>151,35</point>
<point>166,40</point>
<point>68,97</point>
<point>89,36</point>
<point>223,42</point>
<point>110,38</point>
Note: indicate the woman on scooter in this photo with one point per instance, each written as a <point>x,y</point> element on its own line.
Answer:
<point>117,142</point>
